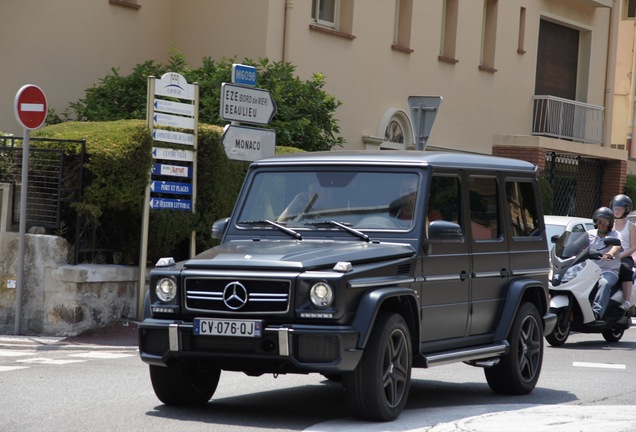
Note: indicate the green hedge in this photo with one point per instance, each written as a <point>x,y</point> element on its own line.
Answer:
<point>119,162</point>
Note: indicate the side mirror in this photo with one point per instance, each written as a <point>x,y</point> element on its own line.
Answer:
<point>441,231</point>
<point>555,238</point>
<point>611,241</point>
<point>219,227</point>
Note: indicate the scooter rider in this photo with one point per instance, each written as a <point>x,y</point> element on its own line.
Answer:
<point>603,219</point>
<point>621,205</point>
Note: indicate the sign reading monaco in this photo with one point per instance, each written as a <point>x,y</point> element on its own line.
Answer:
<point>246,104</point>
<point>30,106</point>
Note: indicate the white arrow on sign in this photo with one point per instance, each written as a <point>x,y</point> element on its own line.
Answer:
<point>248,143</point>
<point>174,121</point>
<point>246,104</point>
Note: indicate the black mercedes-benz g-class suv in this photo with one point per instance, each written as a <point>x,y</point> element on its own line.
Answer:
<point>360,266</point>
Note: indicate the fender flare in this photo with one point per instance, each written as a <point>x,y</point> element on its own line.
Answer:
<point>369,307</point>
<point>516,291</point>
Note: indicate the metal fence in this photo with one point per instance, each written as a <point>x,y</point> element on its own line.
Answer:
<point>576,184</point>
<point>56,180</point>
<point>567,119</point>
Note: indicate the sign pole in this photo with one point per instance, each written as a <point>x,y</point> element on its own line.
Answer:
<point>193,239</point>
<point>22,230</point>
<point>145,220</point>
<point>30,108</point>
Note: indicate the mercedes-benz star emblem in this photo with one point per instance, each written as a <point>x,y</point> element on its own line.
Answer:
<point>235,295</point>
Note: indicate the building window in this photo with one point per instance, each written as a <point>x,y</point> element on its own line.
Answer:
<point>522,31</point>
<point>325,12</point>
<point>489,36</point>
<point>396,130</point>
<point>402,28</point>
<point>449,31</point>
<point>629,9</point>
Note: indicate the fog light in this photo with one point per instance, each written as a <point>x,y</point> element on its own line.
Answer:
<point>321,295</point>
<point>166,289</point>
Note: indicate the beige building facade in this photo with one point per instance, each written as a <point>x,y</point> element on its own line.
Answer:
<point>521,78</point>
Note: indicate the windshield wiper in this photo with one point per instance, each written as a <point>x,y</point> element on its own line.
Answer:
<point>266,222</point>
<point>342,226</point>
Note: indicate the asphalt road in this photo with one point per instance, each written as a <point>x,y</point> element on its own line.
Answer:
<point>97,381</point>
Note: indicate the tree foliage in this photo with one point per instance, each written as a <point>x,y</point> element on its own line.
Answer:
<point>305,112</point>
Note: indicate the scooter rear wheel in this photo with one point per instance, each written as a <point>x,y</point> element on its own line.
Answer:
<point>613,335</point>
<point>560,333</point>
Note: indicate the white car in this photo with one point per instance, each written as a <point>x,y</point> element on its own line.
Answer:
<point>556,225</point>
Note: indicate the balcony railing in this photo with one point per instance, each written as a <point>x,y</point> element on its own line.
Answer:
<point>567,119</point>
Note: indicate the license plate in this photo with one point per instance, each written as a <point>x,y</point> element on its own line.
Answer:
<point>226,327</point>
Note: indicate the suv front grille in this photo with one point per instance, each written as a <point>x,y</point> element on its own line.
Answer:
<point>237,295</point>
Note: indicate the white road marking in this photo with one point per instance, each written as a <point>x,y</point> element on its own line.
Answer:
<point>102,355</point>
<point>14,353</point>
<point>44,360</point>
<point>11,368</point>
<point>599,365</point>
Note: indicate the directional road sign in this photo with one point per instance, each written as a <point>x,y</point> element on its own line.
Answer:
<point>172,136</point>
<point>172,154</point>
<point>171,170</point>
<point>170,204</point>
<point>30,106</point>
<point>246,104</point>
<point>248,143</point>
<point>174,121</point>
<point>174,107</point>
<point>175,188</point>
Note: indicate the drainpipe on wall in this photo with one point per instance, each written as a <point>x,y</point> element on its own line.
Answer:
<point>632,97</point>
<point>289,5</point>
<point>610,72</point>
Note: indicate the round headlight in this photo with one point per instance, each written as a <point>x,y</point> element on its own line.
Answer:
<point>321,295</point>
<point>166,289</point>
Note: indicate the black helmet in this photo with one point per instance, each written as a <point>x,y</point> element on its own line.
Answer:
<point>623,201</point>
<point>604,212</point>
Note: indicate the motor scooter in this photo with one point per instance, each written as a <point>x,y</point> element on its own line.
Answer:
<point>573,284</point>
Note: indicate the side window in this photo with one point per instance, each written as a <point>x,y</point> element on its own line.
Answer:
<point>484,215</point>
<point>522,206</point>
<point>443,203</point>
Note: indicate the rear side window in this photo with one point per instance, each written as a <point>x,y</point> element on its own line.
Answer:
<point>522,205</point>
<point>482,196</point>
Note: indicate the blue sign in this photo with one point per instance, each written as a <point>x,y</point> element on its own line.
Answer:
<point>170,204</point>
<point>157,186</point>
<point>242,74</point>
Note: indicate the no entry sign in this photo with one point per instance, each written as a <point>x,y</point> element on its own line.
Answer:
<point>30,106</point>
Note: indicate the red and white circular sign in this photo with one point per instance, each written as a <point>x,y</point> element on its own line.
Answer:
<point>30,106</point>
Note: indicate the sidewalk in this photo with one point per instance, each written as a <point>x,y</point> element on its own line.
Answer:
<point>118,335</point>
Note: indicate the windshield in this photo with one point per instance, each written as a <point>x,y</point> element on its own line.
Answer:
<point>571,243</point>
<point>359,200</point>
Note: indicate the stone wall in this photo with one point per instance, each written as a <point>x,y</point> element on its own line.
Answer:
<point>59,299</point>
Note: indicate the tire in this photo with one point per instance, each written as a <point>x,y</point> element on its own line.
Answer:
<point>518,372</point>
<point>613,335</point>
<point>560,333</point>
<point>184,385</point>
<point>378,388</point>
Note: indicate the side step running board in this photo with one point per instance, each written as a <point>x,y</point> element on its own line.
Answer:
<point>466,355</point>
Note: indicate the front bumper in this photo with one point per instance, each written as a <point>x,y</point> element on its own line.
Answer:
<point>280,349</point>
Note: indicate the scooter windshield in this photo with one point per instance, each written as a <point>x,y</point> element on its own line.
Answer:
<point>571,244</point>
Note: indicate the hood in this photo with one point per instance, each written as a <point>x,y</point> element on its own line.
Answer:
<point>295,255</point>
